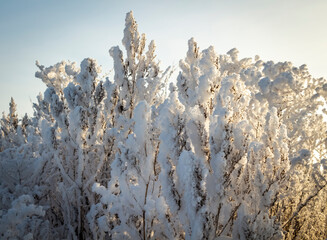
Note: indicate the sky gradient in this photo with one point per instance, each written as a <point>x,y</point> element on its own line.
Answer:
<point>51,31</point>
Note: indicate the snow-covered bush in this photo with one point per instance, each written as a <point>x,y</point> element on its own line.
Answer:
<point>236,149</point>
<point>23,220</point>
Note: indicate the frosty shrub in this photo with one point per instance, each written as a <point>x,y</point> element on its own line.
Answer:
<point>232,149</point>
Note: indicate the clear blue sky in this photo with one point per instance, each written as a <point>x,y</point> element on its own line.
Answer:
<point>51,31</point>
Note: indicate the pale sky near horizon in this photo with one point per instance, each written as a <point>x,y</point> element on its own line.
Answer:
<point>51,31</point>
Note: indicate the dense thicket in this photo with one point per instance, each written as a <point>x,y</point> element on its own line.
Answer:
<point>237,148</point>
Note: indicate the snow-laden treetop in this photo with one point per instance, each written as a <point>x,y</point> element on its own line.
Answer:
<point>235,149</point>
